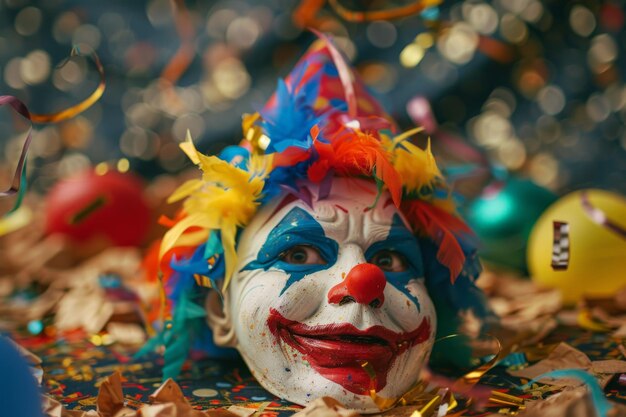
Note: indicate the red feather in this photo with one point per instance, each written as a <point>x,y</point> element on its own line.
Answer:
<point>387,173</point>
<point>442,227</point>
<point>290,156</point>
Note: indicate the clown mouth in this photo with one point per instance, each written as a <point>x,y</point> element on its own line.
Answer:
<point>358,360</point>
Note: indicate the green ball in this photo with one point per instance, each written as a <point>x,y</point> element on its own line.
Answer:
<point>503,217</point>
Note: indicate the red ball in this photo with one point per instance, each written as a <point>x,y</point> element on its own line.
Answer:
<point>366,283</point>
<point>88,205</point>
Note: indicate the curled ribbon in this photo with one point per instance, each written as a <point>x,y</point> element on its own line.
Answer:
<point>19,178</point>
<point>186,30</point>
<point>83,105</point>
<point>597,216</point>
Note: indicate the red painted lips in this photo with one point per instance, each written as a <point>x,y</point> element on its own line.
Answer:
<point>339,351</point>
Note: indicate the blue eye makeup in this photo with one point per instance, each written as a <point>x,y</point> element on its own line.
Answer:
<point>298,246</point>
<point>399,256</point>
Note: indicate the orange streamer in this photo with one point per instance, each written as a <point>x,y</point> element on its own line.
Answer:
<point>385,14</point>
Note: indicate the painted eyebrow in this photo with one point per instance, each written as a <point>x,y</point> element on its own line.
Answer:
<point>398,235</point>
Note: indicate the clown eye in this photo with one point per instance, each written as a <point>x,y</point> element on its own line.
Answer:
<point>389,261</point>
<point>302,255</point>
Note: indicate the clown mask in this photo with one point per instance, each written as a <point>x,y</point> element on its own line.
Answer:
<point>329,300</point>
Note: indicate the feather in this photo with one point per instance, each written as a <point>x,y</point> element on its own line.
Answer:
<point>417,167</point>
<point>389,176</point>
<point>186,189</point>
<point>354,153</point>
<point>443,228</point>
<point>230,253</point>
<point>290,157</point>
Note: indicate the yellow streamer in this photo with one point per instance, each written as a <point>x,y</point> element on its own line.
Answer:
<point>83,105</point>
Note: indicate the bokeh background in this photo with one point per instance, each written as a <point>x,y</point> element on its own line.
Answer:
<point>536,86</point>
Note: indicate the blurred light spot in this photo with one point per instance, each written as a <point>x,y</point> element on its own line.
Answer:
<point>425,40</point>
<point>48,142</point>
<point>171,157</point>
<point>190,121</point>
<point>458,44</point>
<point>548,129</point>
<point>121,41</point>
<point>551,99</point>
<point>13,73</point>
<point>110,23</point>
<point>515,6</point>
<point>284,27</point>
<point>598,107</point>
<point>133,141</point>
<point>35,67</point>
<point>582,20</point>
<point>481,16</point>
<point>512,154</point>
<point>76,133</point>
<point>381,34</point>
<point>438,69</point>
<point>346,46</point>
<point>381,77</point>
<point>491,129</point>
<point>71,164</point>
<point>27,21</point>
<point>87,34</point>
<point>218,23</point>
<point>411,55</point>
<point>101,169</point>
<point>531,80</point>
<point>73,71</point>
<point>501,101</point>
<point>243,32</point>
<point>602,52</point>
<point>544,170</point>
<point>159,12</point>
<point>264,17</point>
<point>533,12</point>
<point>231,78</point>
<point>616,95</point>
<point>142,115</point>
<point>123,165</point>
<point>64,27</point>
<point>513,29</point>
<point>35,327</point>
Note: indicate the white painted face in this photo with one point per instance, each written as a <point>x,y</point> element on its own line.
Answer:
<point>330,300</point>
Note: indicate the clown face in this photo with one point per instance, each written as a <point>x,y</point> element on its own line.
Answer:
<point>330,300</point>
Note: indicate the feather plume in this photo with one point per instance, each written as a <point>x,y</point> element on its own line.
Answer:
<point>443,228</point>
<point>226,198</point>
<point>354,153</point>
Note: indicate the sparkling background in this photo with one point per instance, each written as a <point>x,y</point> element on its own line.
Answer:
<point>547,100</point>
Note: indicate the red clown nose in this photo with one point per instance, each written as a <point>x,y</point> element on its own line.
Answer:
<point>364,284</point>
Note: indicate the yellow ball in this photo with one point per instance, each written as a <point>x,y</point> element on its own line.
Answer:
<point>597,254</point>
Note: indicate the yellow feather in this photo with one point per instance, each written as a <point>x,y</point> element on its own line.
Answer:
<point>417,167</point>
<point>190,150</point>
<point>171,237</point>
<point>185,190</point>
<point>403,136</point>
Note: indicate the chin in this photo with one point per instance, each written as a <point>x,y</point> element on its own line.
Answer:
<point>287,373</point>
